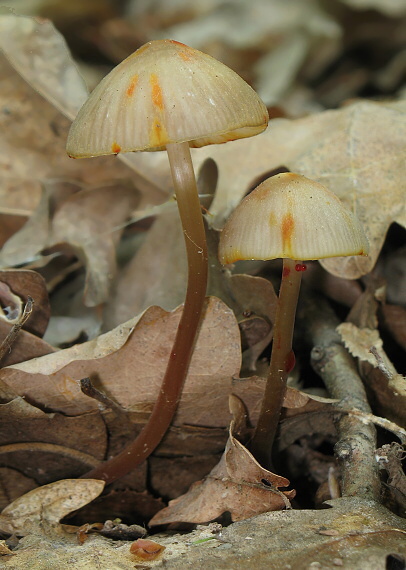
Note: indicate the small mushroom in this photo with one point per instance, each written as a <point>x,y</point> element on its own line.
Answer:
<point>168,96</point>
<point>291,217</point>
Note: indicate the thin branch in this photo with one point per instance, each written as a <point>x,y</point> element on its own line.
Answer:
<point>355,449</point>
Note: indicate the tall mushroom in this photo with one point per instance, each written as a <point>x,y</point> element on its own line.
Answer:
<point>168,96</point>
<point>291,217</point>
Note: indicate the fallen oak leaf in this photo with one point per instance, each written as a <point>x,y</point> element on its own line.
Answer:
<point>38,52</point>
<point>92,222</point>
<point>129,363</point>
<point>356,151</point>
<point>237,484</point>
<point>47,505</point>
<point>23,284</point>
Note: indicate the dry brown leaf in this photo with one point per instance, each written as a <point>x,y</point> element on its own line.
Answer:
<point>131,372</point>
<point>357,151</point>
<point>33,147</point>
<point>385,387</point>
<point>394,319</point>
<point>359,342</point>
<point>47,505</point>
<point>39,53</point>
<point>237,484</point>
<point>160,260</point>
<point>24,284</point>
<point>55,444</point>
<point>13,484</point>
<point>25,347</point>
<point>54,76</point>
<point>92,222</point>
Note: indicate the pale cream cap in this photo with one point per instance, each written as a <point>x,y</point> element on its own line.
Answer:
<point>290,216</point>
<point>166,92</point>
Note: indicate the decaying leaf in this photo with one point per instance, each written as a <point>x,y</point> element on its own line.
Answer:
<point>129,364</point>
<point>237,484</point>
<point>54,75</point>
<point>13,484</point>
<point>360,341</point>
<point>22,284</point>
<point>356,151</point>
<point>386,387</point>
<point>47,505</point>
<point>92,222</point>
<point>45,446</point>
<point>160,259</point>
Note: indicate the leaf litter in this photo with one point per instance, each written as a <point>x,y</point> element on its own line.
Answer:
<point>338,148</point>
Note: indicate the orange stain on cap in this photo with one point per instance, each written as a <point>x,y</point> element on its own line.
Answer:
<point>288,226</point>
<point>116,148</point>
<point>157,98</point>
<point>132,85</point>
<point>158,136</point>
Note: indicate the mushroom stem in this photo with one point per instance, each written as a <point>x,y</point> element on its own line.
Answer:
<point>171,388</point>
<point>282,362</point>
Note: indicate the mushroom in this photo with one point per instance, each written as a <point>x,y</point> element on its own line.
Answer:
<point>291,217</point>
<point>168,96</point>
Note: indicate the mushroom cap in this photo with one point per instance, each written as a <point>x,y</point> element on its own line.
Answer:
<point>290,216</point>
<point>165,92</point>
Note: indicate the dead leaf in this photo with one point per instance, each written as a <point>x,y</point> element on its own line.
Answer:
<point>92,222</point>
<point>386,388</point>
<point>13,484</point>
<point>131,372</point>
<point>394,319</point>
<point>24,40</point>
<point>25,347</point>
<point>39,54</point>
<point>160,259</point>
<point>360,341</point>
<point>237,484</point>
<point>357,152</point>
<point>24,283</point>
<point>49,446</point>
<point>47,505</point>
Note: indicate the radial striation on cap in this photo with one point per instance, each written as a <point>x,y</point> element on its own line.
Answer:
<point>290,216</point>
<point>165,92</point>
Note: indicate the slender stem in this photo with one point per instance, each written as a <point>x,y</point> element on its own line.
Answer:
<point>171,388</point>
<point>282,362</point>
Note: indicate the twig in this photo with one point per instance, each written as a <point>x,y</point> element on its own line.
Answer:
<point>7,343</point>
<point>88,389</point>
<point>355,449</point>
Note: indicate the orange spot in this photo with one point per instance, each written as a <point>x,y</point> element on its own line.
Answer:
<point>185,55</point>
<point>156,91</point>
<point>178,43</point>
<point>158,135</point>
<point>132,85</point>
<point>288,225</point>
<point>116,148</point>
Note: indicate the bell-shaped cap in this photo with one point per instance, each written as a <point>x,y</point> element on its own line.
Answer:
<point>290,216</point>
<point>166,92</point>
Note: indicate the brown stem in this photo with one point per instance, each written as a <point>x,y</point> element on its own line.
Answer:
<point>176,371</point>
<point>282,361</point>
